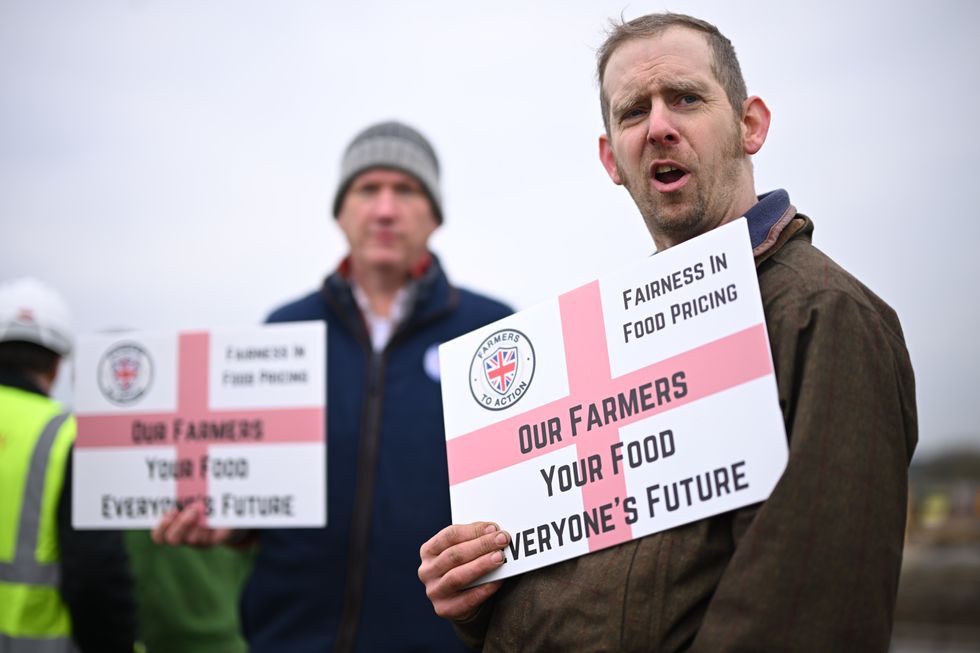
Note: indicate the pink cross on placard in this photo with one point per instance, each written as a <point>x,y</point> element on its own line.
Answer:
<point>279,425</point>
<point>714,367</point>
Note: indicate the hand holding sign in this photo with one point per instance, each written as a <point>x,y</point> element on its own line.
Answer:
<point>187,527</point>
<point>454,559</point>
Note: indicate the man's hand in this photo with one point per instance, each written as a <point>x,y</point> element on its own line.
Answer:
<point>185,527</point>
<point>457,556</point>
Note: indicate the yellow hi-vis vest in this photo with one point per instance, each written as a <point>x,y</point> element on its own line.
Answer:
<point>35,437</point>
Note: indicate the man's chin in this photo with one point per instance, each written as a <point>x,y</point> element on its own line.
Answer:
<point>385,260</point>
<point>676,223</point>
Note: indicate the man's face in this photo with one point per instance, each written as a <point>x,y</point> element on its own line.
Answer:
<point>674,140</point>
<point>387,218</point>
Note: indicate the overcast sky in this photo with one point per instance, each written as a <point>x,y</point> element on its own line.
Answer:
<point>171,164</point>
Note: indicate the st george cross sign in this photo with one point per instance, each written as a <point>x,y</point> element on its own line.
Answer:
<point>233,417</point>
<point>641,401</point>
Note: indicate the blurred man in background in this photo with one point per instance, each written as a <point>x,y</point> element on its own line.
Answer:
<point>353,585</point>
<point>59,588</point>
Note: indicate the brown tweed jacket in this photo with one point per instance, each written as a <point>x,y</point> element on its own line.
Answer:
<point>813,568</point>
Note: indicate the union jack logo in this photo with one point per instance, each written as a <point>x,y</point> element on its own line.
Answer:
<point>501,369</point>
<point>126,371</point>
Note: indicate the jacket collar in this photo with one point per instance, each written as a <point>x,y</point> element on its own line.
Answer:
<point>431,293</point>
<point>773,221</point>
<point>417,271</point>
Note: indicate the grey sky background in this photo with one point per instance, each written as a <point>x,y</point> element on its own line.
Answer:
<point>172,164</point>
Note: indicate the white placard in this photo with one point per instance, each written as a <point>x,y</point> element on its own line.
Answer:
<point>639,402</point>
<point>234,417</point>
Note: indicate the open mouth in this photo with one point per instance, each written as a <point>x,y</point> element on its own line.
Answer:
<point>667,174</point>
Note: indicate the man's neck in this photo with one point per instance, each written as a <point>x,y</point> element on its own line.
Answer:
<point>745,201</point>
<point>380,286</point>
<point>32,381</point>
<point>383,304</point>
<point>45,381</point>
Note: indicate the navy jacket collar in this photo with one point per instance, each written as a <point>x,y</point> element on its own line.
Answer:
<point>766,214</point>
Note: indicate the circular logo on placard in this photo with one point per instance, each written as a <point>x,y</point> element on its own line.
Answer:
<point>125,373</point>
<point>502,369</point>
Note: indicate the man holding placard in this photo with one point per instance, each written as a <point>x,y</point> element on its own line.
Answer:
<point>352,586</point>
<point>812,568</point>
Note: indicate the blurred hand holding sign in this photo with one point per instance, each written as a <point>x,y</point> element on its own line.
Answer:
<point>233,417</point>
<point>639,402</point>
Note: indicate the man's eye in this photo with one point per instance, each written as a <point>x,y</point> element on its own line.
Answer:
<point>634,112</point>
<point>406,190</point>
<point>688,99</point>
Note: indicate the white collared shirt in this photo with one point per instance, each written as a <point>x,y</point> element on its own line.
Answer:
<point>381,328</point>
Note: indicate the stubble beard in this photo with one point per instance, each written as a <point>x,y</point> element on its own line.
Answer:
<point>665,216</point>
<point>679,224</point>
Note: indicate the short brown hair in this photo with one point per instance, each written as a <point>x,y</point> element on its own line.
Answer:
<point>724,61</point>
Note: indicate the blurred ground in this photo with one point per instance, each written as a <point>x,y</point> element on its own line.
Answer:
<point>938,600</point>
<point>938,608</point>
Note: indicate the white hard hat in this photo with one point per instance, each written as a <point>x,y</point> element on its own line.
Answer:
<point>30,311</point>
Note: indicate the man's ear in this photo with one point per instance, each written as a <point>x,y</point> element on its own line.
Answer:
<point>608,160</point>
<point>755,124</point>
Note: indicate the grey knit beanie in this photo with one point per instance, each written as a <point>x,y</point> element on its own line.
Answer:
<point>391,145</point>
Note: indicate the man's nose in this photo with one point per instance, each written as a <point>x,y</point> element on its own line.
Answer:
<point>385,203</point>
<point>660,126</point>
